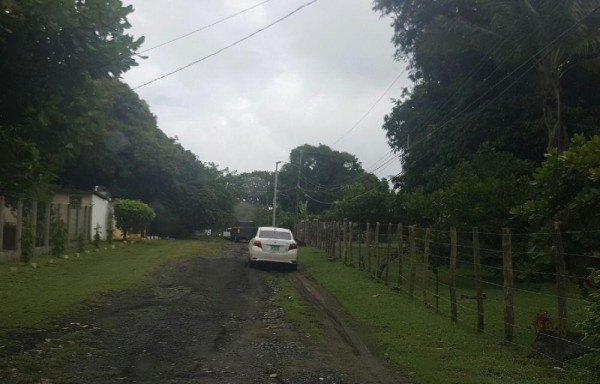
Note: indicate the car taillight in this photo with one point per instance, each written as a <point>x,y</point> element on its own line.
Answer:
<point>257,243</point>
<point>292,246</point>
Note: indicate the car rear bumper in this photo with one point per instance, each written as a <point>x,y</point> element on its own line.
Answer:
<point>275,258</point>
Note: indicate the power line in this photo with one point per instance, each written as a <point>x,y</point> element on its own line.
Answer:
<point>387,160</point>
<point>202,28</point>
<point>370,109</point>
<point>509,75</point>
<point>227,46</point>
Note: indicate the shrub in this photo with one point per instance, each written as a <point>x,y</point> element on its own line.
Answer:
<point>110,228</point>
<point>81,242</point>
<point>27,241</point>
<point>132,215</point>
<point>97,236</point>
<point>58,239</point>
<point>591,325</point>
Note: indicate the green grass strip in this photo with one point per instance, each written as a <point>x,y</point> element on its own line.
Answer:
<point>429,348</point>
<point>32,295</point>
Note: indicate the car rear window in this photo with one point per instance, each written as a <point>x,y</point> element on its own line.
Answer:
<point>269,234</point>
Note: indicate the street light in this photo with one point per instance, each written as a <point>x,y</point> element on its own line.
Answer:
<point>275,194</point>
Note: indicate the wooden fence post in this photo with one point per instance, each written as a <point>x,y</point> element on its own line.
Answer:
<point>413,261</point>
<point>453,256</point>
<point>361,261</point>
<point>368,244</point>
<point>1,224</point>
<point>318,233</point>
<point>19,231</point>
<point>47,221</point>
<point>561,291</point>
<point>389,252</point>
<point>509,314</point>
<point>345,240</point>
<point>377,250</point>
<point>304,240</point>
<point>333,234</point>
<point>350,250</point>
<point>339,239</point>
<point>400,240</point>
<point>327,241</point>
<point>425,266</point>
<point>332,239</point>
<point>34,215</point>
<point>478,285</point>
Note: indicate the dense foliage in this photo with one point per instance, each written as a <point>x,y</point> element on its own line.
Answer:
<point>252,196</point>
<point>321,174</point>
<point>566,189</point>
<point>134,159</point>
<point>499,89</point>
<point>591,325</point>
<point>52,54</point>
<point>132,216</point>
<point>495,84</point>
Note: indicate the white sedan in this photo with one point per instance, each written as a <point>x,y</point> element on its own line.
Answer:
<point>275,245</point>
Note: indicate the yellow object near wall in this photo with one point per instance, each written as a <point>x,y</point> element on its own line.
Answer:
<point>118,235</point>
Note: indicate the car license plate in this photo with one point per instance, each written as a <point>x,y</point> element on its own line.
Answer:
<point>275,248</point>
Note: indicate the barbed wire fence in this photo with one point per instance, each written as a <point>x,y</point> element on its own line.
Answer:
<point>459,278</point>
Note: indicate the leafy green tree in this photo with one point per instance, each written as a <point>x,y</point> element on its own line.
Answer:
<point>554,36</point>
<point>567,190</point>
<point>134,159</point>
<point>323,175</point>
<point>251,195</point>
<point>363,202</point>
<point>256,187</point>
<point>591,325</point>
<point>52,54</point>
<point>479,191</point>
<point>465,58</point>
<point>132,215</point>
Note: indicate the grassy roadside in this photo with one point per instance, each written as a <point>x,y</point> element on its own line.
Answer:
<point>428,348</point>
<point>32,346</point>
<point>32,297</point>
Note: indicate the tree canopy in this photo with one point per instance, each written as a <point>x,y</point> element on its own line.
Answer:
<point>502,77</point>
<point>52,54</point>
<point>134,159</point>
<point>320,173</point>
<point>132,216</point>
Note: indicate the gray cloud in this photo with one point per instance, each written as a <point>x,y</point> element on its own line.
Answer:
<point>308,79</point>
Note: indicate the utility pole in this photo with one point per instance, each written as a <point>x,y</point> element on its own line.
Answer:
<point>298,191</point>
<point>275,194</point>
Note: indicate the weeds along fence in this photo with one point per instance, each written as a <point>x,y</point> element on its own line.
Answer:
<point>467,276</point>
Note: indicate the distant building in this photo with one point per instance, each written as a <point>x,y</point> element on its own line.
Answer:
<point>81,211</point>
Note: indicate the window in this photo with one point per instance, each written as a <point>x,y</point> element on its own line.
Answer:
<point>75,201</point>
<point>270,234</point>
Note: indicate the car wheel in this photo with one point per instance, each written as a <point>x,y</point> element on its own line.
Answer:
<point>251,263</point>
<point>294,267</point>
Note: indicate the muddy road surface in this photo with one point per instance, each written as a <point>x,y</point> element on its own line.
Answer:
<point>211,320</point>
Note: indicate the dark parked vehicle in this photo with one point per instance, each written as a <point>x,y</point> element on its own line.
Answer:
<point>243,230</point>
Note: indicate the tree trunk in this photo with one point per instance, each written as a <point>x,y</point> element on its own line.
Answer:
<point>552,103</point>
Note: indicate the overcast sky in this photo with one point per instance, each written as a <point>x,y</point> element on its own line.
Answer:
<point>306,80</point>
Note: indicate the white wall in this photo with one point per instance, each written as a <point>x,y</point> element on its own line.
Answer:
<point>101,209</point>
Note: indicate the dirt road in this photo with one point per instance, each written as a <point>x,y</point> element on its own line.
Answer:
<point>207,320</point>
